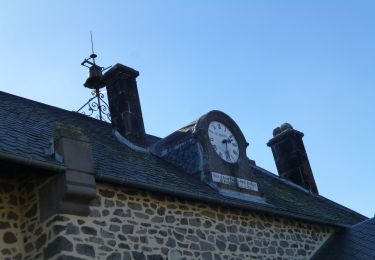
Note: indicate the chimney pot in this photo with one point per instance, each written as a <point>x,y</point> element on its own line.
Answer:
<point>276,131</point>
<point>286,126</point>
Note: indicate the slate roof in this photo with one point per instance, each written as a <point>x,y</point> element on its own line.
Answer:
<point>357,242</point>
<point>26,128</point>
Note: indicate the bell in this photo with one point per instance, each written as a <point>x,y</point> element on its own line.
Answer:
<point>94,79</point>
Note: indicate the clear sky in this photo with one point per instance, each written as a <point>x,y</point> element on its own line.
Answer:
<point>309,63</point>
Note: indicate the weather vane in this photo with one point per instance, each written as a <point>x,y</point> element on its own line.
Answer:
<point>96,104</point>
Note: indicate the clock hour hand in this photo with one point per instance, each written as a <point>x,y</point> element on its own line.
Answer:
<point>225,141</point>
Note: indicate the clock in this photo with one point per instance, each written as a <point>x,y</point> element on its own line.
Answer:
<point>212,149</point>
<point>223,141</point>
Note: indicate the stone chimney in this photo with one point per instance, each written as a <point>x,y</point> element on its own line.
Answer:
<point>124,104</point>
<point>291,157</point>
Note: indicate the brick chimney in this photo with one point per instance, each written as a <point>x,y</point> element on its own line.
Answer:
<point>124,104</point>
<point>291,157</point>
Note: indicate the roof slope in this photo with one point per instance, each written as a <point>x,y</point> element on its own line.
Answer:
<point>26,128</point>
<point>357,242</point>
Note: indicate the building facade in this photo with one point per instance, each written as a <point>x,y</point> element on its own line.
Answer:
<point>72,187</point>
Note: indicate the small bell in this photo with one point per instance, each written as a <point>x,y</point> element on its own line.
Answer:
<point>94,79</point>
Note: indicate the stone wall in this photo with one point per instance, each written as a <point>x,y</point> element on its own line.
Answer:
<point>22,234</point>
<point>131,224</point>
<point>10,215</point>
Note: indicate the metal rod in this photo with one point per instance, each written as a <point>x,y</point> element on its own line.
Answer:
<point>92,48</point>
<point>99,106</point>
<point>92,43</point>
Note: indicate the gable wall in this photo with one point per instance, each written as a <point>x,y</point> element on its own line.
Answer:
<point>131,224</point>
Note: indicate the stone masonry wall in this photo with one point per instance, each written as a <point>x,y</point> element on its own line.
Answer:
<point>131,224</point>
<point>22,234</point>
<point>35,233</point>
<point>10,234</point>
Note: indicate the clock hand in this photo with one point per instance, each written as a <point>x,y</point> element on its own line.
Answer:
<point>225,141</point>
<point>228,156</point>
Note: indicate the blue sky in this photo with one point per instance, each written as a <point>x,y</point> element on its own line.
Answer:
<point>309,63</point>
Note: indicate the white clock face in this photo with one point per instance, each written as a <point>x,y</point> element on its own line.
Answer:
<point>223,142</point>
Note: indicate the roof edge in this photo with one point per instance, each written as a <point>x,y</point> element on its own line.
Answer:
<point>32,162</point>
<point>291,184</point>
<point>61,168</point>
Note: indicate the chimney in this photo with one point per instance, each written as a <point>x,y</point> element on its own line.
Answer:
<point>124,104</point>
<point>291,157</point>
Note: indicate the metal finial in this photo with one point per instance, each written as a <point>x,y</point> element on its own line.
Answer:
<point>95,82</point>
<point>93,55</point>
<point>92,43</point>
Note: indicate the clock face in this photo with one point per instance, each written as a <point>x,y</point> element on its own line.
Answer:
<point>223,142</point>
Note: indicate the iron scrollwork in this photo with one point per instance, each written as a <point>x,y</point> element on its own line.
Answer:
<point>96,107</point>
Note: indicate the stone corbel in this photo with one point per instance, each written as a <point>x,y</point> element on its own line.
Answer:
<point>72,191</point>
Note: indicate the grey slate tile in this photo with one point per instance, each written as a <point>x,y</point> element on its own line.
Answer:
<point>356,242</point>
